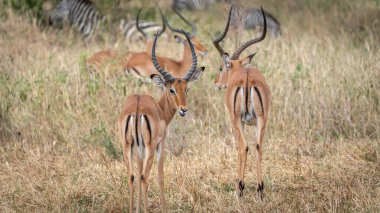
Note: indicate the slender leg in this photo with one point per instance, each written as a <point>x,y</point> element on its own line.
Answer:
<point>147,166</point>
<point>242,157</point>
<point>127,153</point>
<point>160,177</point>
<point>260,135</point>
<point>139,165</point>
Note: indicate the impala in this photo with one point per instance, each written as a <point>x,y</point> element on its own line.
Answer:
<point>107,57</point>
<point>140,64</point>
<point>247,99</point>
<point>143,123</point>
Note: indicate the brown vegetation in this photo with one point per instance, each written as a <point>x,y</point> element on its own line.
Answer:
<point>59,150</point>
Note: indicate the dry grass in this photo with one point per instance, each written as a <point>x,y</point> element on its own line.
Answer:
<point>59,150</point>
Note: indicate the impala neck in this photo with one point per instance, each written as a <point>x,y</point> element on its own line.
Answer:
<point>167,107</point>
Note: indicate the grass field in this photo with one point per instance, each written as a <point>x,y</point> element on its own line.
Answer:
<point>58,145</point>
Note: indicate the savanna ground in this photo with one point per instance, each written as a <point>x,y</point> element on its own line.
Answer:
<point>58,145</point>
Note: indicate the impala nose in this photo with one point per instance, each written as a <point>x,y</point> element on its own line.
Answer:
<point>183,111</point>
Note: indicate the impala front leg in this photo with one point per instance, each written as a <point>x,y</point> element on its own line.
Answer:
<point>160,177</point>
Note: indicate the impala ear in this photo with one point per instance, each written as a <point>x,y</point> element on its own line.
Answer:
<point>245,61</point>
<point>158,80</point>
<point>179,39</point>
<point>226,60</point>
<point>197,74</point>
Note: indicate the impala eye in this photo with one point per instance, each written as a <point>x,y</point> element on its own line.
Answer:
<point>220,69</point>
<point>172,91</point>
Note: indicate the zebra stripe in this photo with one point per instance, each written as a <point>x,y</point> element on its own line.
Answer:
<point>253,18</point>
<point>81,14</point>
<point>129,30</point>
<point>191,4</point>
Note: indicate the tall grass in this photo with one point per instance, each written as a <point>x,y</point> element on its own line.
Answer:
<point>58,145</point>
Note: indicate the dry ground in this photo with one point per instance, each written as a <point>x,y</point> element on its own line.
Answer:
<point>58,145</point>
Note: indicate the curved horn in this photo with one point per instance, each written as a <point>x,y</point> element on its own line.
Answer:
<point>193,27</point>
<point>163,22</point>
<point>137,24</point>
<point>237,53</point>
<point>193,67</point>
<point>167,76</point>
<point>221,37</point>
<point>172,28</point>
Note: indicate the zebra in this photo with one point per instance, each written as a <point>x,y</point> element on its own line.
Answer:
<point>129,30</point>
<point>81,14</point>
<point>254,19</point>
<point>192,4</point>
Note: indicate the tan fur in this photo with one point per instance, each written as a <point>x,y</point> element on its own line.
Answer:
<point>159,114</point>
<point>238,76</point>
<point>103,58</point>
<point>143,63</point>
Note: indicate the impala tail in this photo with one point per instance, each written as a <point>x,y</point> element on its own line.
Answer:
<point>250,98</point>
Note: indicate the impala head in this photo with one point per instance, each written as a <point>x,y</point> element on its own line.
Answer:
<point>176,88</point>
<point>229,64</point>
<point>144,35</point>
<point>199,48</point>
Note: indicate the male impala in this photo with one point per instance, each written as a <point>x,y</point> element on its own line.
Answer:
<point>143,124</point>
<point>104,57</point>
<point>140,64</point>
<point>247,98</point>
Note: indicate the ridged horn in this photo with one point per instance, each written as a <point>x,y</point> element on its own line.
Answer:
<point>138,26</point>
<point>194,63</point>
<point>193,27</point>
<point>244,46</point>
<point>163,22</point>
<point>223,35</point>
<point>166,75</point>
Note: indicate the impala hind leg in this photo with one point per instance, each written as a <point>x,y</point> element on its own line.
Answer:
<point>160,176</point>
<point>139,166</point>
<point>127,153</point>
<point>260,135</point>
<point>242,157</point>
<point>147,166</point>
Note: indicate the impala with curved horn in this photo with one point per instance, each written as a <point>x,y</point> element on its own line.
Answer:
<point>117,60</point>
<point>247,99</point>
<point>140,64</point>
<point>200,49</point>
<point>143,123</point>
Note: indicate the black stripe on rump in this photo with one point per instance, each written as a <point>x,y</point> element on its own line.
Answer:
<point>261,100</point>
<point>236,93</point>
<point>126,127</point>
<point>149,128</point>
<point>246,94</point>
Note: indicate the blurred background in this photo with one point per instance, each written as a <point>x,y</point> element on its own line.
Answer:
<point>58,145</point>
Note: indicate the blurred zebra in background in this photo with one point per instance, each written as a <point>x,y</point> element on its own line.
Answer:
<point>254,19</point>
<point>192,4</point>
<point>129,30</point>
<point>81,14</point>
<point>251,17</point>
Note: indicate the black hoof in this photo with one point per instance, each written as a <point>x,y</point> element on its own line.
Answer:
<point>240,188</point>
<point>260,190</point>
